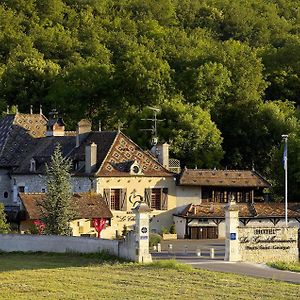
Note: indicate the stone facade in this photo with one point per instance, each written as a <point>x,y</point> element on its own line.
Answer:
<point>135,189</point>
<point>268,244</point>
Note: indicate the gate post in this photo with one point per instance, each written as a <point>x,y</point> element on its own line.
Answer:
<point>232,244</point>
<point>142,232</point>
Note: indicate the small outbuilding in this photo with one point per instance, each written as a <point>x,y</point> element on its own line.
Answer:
<point>86,206</point>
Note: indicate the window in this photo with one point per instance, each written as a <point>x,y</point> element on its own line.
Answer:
<point>115,199</point>
<point>21,189</point>
<point>32,165</point>
<point>157,198</point>
<point>5,195</point>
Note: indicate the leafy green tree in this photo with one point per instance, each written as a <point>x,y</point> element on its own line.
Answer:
<point>4,227</point>
<point>56,208</point>
<point>192,135</point>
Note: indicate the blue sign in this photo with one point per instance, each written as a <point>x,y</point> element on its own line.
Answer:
<point>144,237</point>
<point>232,236</point>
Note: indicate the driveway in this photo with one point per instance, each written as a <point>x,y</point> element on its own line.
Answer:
<point>185,251</point>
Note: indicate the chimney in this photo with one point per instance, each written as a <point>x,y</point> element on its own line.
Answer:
<point>55,125</point>
<point>90,157</point>
<point>163,154</point>
<point>84,126</point>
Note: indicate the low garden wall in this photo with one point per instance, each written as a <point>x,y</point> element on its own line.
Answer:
<point>62,244</point>
<point>58,244</point>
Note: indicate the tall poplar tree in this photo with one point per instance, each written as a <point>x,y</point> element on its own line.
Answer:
<point>56,208</point>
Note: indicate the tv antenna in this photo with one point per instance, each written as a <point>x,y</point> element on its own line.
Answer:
<point>154,121</point>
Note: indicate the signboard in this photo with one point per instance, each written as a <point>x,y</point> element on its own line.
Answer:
<point>232,236</point>
<point>144,230</point>
<point>263,244</point>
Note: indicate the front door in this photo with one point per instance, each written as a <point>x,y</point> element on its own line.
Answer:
<point>207,232</point>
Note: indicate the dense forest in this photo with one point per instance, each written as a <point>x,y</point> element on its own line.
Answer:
<point>225,74</point>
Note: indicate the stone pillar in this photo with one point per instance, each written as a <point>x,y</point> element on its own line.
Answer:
<point>142,232</point>
<point>232,252</point>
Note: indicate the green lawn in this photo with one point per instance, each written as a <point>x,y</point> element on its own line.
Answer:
<point>46,276</point>
<point>295,267</point>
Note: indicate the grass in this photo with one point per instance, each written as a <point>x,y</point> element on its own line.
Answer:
<point>295,267</point>
<point>72,276</point>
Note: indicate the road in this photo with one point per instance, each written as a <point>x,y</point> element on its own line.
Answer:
<point>185,251</point>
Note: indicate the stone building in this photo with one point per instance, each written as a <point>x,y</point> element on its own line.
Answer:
<point>108,163</point>
<point>104,162</point>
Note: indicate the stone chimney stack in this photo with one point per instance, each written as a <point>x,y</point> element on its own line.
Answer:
<point>55,125</point>
<point>84,126</point>
<point>163,154</point>
<point>90,157</point>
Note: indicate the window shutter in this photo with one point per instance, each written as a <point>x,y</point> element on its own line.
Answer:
<point>123,196</point>
<point>148,197</point>
<point>106,194</point>
<point>164,199</point>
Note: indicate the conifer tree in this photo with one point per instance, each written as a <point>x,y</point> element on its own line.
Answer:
<point>56,208</point>
<point>4,227</point>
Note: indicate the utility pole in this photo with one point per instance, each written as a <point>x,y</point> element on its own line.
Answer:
<point>285,166</point>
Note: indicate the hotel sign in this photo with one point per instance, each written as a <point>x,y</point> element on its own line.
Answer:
<point>262,244</point>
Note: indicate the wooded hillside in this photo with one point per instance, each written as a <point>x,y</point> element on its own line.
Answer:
<point>226,74</point>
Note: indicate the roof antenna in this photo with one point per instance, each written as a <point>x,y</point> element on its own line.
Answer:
<point>41,109</point>
<point>120,124</point>
<point>153,128</point>
<point>253,167</point>
<point>31,110</point>
<point>99,128</point>
<point>7,109</point>
<point>17,109</point>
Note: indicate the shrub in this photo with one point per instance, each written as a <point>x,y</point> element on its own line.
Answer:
<point>124,231</point>
<point>154,239</point>
<point>4,227</point>
<point>173,229</point>
<point>165,230</point>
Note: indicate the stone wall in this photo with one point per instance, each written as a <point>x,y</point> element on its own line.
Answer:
<point>125,248</point>
<point>57,244</point>
<point>5,188</point>
<point>37,183</point>
<point>268,244</point>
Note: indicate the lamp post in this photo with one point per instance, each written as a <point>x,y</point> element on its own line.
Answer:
<point>285,139</point>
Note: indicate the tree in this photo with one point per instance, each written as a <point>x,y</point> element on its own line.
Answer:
<point>56,208</point>
<point>4,227</point>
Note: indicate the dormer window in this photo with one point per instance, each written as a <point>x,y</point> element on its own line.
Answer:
<point>32,165</point>
<point>135,169</point>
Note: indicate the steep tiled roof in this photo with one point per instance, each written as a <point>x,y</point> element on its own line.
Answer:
<point>17,136</point>
<point>233,178</point>
<point>85,205</point>
<point>41,150</point>
<point>103,140</point>
<point>122,153</point>
<point>22,137</point>
<point>246,210</point>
